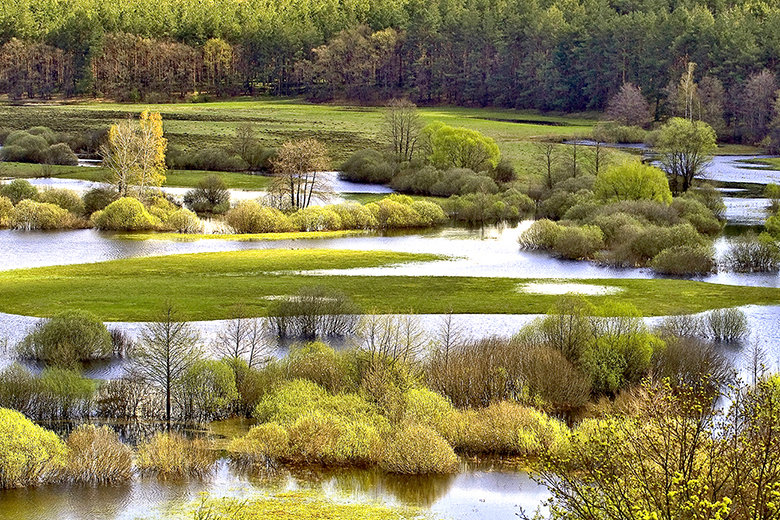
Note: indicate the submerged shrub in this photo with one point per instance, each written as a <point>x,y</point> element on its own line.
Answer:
<point>751,254</point>
<point>125,214</point>
<point>30,215</point>
<point>684,260</point>
<point>316,218</point>
<point>577,243</point>
<point>66,199</point>
<point>367,166</point>
<point>416,449</point>
<point>328,439</point>
<point>727,325</point>
<point>430,213</point>
<point>6,207</point>
<point>98,198</point>
<point>210,195</point>
<point>18,189</point>
<point>251,217</point>
<point>354,216</point>
<point>170,455</point>
<point>314,312</point>
<point>264,445</point>
<point>96,455</point>
<point>29,454</point>
<point>66,339</point>
<point>184,221</point>
<point>541,235</point>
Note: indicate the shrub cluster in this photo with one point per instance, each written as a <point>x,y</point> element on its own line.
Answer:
<point>67,339</point>
<point>37,145</point>
<point>314,312</point>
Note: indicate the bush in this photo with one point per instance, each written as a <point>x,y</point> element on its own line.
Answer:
<point>170,455</point>
<point>160,207</point>
<point>507,428</point>
<point>727,325</point>
<point>29,454</point>
<point>210,195</point>
<point>251,217</point>
<point>684,260</point>
<point>6,209</point>
<point>61,153</point>
<point>391,214</point>
<point>426,407</point>
<point>211,389</point>
<point>184,221</point>
<point>210,159</point>
<point>21,146</point>
<point>97,199</point>
<point>579,242</point>
<point>367,166</point>
<point>265,445</point>
<point>316,218</point>
<point>31,215</point>
<point>314,312</point>
<point>615,133</point>
<point>323,438</point>
<point>125,214</point>
<point>97,456</point>
<point>654,239</point>
<point>64,394</point>
<point>319,363</point>
<point>18,189</point>
<point>66,199</point>
<point>430,213</point>
<point>751,254</point>
<point>418,450</point>
<point>632,180</point>
<point>354,216</point>
<point>542,234</point>
<point>67,339</point>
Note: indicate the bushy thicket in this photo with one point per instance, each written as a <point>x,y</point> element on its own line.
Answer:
<point>37,145</point>
<point>67,339</point>
<point>210,195</point>
<point>314,312</point>
<point>208,159</point>
<point>753,254</point>
<point>29,455</point>
<point>125,214</point>
<point>368,166</point>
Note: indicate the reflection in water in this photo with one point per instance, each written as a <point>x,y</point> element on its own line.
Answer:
<point>481,491</point>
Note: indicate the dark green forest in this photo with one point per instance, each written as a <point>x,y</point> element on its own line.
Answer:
<point>565,55</point>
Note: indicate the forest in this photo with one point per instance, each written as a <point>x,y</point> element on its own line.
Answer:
<point>563,55</point>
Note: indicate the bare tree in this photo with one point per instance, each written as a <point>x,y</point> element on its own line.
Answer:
<point>392,338</point>
<point>298,170</point>
<point>168,348</point>
<point>629,107</point>
<point>687,89</point>
<point>242,338</point>
<point>548,156</point>
<point>756,105</point>
<point>402,128</point>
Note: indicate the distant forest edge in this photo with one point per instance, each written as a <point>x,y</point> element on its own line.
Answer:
<point>564,55</point>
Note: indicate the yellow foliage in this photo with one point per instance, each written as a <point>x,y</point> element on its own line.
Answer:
<point>29,454</point>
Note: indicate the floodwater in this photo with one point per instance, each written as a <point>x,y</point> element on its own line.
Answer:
<point>479,491</point>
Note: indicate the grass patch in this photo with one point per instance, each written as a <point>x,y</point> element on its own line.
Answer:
<point>344,129</point>
<point>205,286</point>
<point>247,237</point>
<point>771,163</point>
<point>292,505</point>
<point>174,178</point>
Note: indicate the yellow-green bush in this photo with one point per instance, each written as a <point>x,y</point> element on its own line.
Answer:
<point>416,449</point>
<point>354,216</point>
<point>506,428</point>
<point>424,406</point>
<point>541,235</point>
<point>30,215</point>
<point>319,363</point>
<point>160,207</point>
<point>184,221</point>
<point>96,455</point>
<point>323,438</point>
<point>430,213</point>
<point>265,444</point>
<point>172,455</point>
<point>251,217</point>
<point>64,198</point>
<point>6,207</point>
<point>125,214</point>
<point>316,218</point>
<point>29,454</point>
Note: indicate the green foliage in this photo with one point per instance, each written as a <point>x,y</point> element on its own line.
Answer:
<point>125,214</point>
<point>208,389</point>
<point>209,196</point>
<point>251,217</point>
<point>183,221</point>
<point>97,199</point>
<point>66,339</point>
<point>608,132</point>
<point>632,180</point>
<point>772,192</point>
<point>452,147</point>
<point>684,260</point>
<point>685,147</point>
<point>31,215</point>
<point>64,198</point>
<point>264,445</point>
<point>30,455</point>
<point>577,243</point>
<point>19,189</point>
<point>316,218</point>
<point>367,166</point>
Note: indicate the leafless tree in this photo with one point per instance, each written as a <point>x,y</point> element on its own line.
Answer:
<point>398,339</point>
<point>298,171</point>
<point>402,127</point>
<point>629,107</point>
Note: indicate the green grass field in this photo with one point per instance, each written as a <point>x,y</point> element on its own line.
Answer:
<point>344,129</point>
<point>174,178</point>
<point>206,286</point>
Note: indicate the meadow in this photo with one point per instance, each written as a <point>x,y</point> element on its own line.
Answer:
<point>207,286</point>
<point>345,129</point>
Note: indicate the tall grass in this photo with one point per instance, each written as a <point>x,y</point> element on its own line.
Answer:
<point>171,455</point>
<point>96,455</point>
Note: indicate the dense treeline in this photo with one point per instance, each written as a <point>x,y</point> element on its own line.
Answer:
<point>542,54</point>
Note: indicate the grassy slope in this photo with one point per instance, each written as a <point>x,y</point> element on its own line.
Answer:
<point>343,128</point>
<point>205,286</point>
<point>175,178</point>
